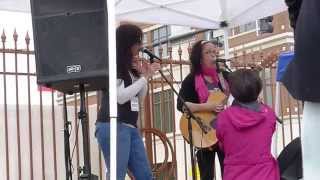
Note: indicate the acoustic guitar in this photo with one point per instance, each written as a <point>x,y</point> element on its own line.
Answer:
<point>203,132</point>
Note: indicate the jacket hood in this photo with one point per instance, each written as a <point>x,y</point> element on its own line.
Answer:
<point>243,118</point>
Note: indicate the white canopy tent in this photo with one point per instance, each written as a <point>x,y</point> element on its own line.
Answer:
<point>197,13</point>
<point>194,13</point>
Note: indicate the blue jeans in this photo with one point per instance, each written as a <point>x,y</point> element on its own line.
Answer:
<point>130,151</point>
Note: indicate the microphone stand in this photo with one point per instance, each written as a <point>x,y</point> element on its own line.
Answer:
<point>190,116</point>
<point>68,163</point>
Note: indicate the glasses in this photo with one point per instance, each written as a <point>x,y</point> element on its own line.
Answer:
<point>210,52</point>
<point>204,42</point>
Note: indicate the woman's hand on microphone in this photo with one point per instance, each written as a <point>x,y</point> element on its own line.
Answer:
<point>155,67</point>
<point>149,69</point>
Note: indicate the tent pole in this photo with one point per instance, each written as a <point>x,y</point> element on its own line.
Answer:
<point>310,140</point>
<point>226,44</point>
<point>112,86</point>
<point>277,111</point>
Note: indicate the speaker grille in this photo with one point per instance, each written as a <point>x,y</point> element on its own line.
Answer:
<point>70,43</point>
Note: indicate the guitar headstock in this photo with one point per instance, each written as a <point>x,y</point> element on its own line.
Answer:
<point>265,63</point>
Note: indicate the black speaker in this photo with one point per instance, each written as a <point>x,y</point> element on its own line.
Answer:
<point>71,43</point>
<point>290,161</point>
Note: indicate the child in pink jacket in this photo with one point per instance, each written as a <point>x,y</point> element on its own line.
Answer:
<point>245,131</point>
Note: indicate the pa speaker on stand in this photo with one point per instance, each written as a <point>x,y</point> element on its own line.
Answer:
<point>71,52</point>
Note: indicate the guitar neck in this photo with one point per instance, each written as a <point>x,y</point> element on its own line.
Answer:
<point>222,81</point>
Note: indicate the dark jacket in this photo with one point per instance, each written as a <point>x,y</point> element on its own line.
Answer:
<point>188,91</point>
<point>301,77</point>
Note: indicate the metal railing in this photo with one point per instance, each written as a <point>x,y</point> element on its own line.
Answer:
<point>31,118</point>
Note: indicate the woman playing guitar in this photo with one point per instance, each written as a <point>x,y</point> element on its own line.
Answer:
<point>202,82</point>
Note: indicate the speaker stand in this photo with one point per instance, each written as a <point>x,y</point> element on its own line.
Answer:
<point>68,163</point>
<point>85,171</point>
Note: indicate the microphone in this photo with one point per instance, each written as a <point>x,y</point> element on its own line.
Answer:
<point>150,54</point>
<point>223,60</point>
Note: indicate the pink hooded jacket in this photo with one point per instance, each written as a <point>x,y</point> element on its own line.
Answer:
<point>245,137</point>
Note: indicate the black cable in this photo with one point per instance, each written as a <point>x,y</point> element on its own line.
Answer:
<point>68,160</point>
<point>76,140</point>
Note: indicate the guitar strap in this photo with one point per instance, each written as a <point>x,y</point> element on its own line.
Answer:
<point>224,86</point>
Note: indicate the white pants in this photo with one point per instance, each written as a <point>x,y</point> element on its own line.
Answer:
<point>311,141</point>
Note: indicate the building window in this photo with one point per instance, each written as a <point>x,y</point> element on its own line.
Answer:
<point>220,39</point>
<point>236,30</point>
<point>248,27</point>
<point>267,86</point>
<point>163,111</point>
<point>211,36</point>
<point>145,39</point>
<point>160,36</point>
<point>231,32</point>
<point>242,29</point>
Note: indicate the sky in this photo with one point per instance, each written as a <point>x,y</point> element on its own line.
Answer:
<point>9,21</point>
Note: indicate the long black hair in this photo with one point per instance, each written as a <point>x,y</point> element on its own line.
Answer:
<point>196,55</point>
<point>127,35</point>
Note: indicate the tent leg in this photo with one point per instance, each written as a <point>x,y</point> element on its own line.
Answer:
<point>112,86</point>
<point>310,141</point>
<point>276,133</point>
<point>226,45</point>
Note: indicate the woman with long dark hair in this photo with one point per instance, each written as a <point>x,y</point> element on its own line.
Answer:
<point>202,80</point>
<point>131,89</point>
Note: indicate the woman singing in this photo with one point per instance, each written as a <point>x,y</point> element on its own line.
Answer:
<point>131,89</point>
<point>202,80</point>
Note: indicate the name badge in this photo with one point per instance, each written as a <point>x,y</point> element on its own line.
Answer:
<point>135,104</point>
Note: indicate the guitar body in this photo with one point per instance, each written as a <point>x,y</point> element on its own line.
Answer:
<point>200,138</point>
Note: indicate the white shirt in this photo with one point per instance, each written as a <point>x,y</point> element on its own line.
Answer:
<point>138,87</point>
